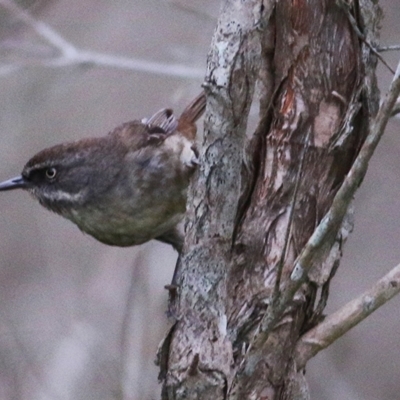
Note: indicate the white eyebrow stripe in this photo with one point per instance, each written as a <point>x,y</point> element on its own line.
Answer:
<point>38,166</point>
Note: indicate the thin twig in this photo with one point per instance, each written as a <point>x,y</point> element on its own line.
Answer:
<point>389,48</point>
<point>340,322</point>
<point>396,109</point>
<point>346,8</point>
<point>72,55</point>
<point>42,29</point>
<point>137,282</point>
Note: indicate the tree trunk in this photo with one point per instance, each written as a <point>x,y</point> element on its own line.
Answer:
<point>255,203</point>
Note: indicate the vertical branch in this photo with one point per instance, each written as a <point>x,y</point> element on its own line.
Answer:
<point>319,91</point>
<point>316,103</point>
<point>200,352</point>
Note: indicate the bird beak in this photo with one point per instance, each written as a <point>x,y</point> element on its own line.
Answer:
<point>19,182</point>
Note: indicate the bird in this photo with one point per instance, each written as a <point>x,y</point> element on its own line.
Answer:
<point>125,188</point>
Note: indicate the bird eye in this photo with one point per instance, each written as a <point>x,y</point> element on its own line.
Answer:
<point>51,173</point>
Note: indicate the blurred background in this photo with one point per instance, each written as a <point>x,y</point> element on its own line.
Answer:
<point>80,320</point>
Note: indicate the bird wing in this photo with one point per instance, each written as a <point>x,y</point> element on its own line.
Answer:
<point>154,130</point>
<point>164,119</point>
<point>136,135</point>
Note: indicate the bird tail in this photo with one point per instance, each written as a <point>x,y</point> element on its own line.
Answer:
<point>189,116</point>
<point>195,109</point>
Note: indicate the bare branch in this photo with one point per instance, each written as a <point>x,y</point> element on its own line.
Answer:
<point>43,30</point>
<point>200,355</point>
<point>137,282</point>
<point>389,48</point>
<point>72,55</point>
<point>348,316</point>
<point>346,8</point>
<point>396,108</point>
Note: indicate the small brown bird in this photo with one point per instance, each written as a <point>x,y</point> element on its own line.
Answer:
<point>125,188</point>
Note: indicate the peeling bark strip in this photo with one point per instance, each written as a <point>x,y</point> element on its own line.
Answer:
<point>312,72</point>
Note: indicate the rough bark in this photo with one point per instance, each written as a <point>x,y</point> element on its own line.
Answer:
<point>254,204</point>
